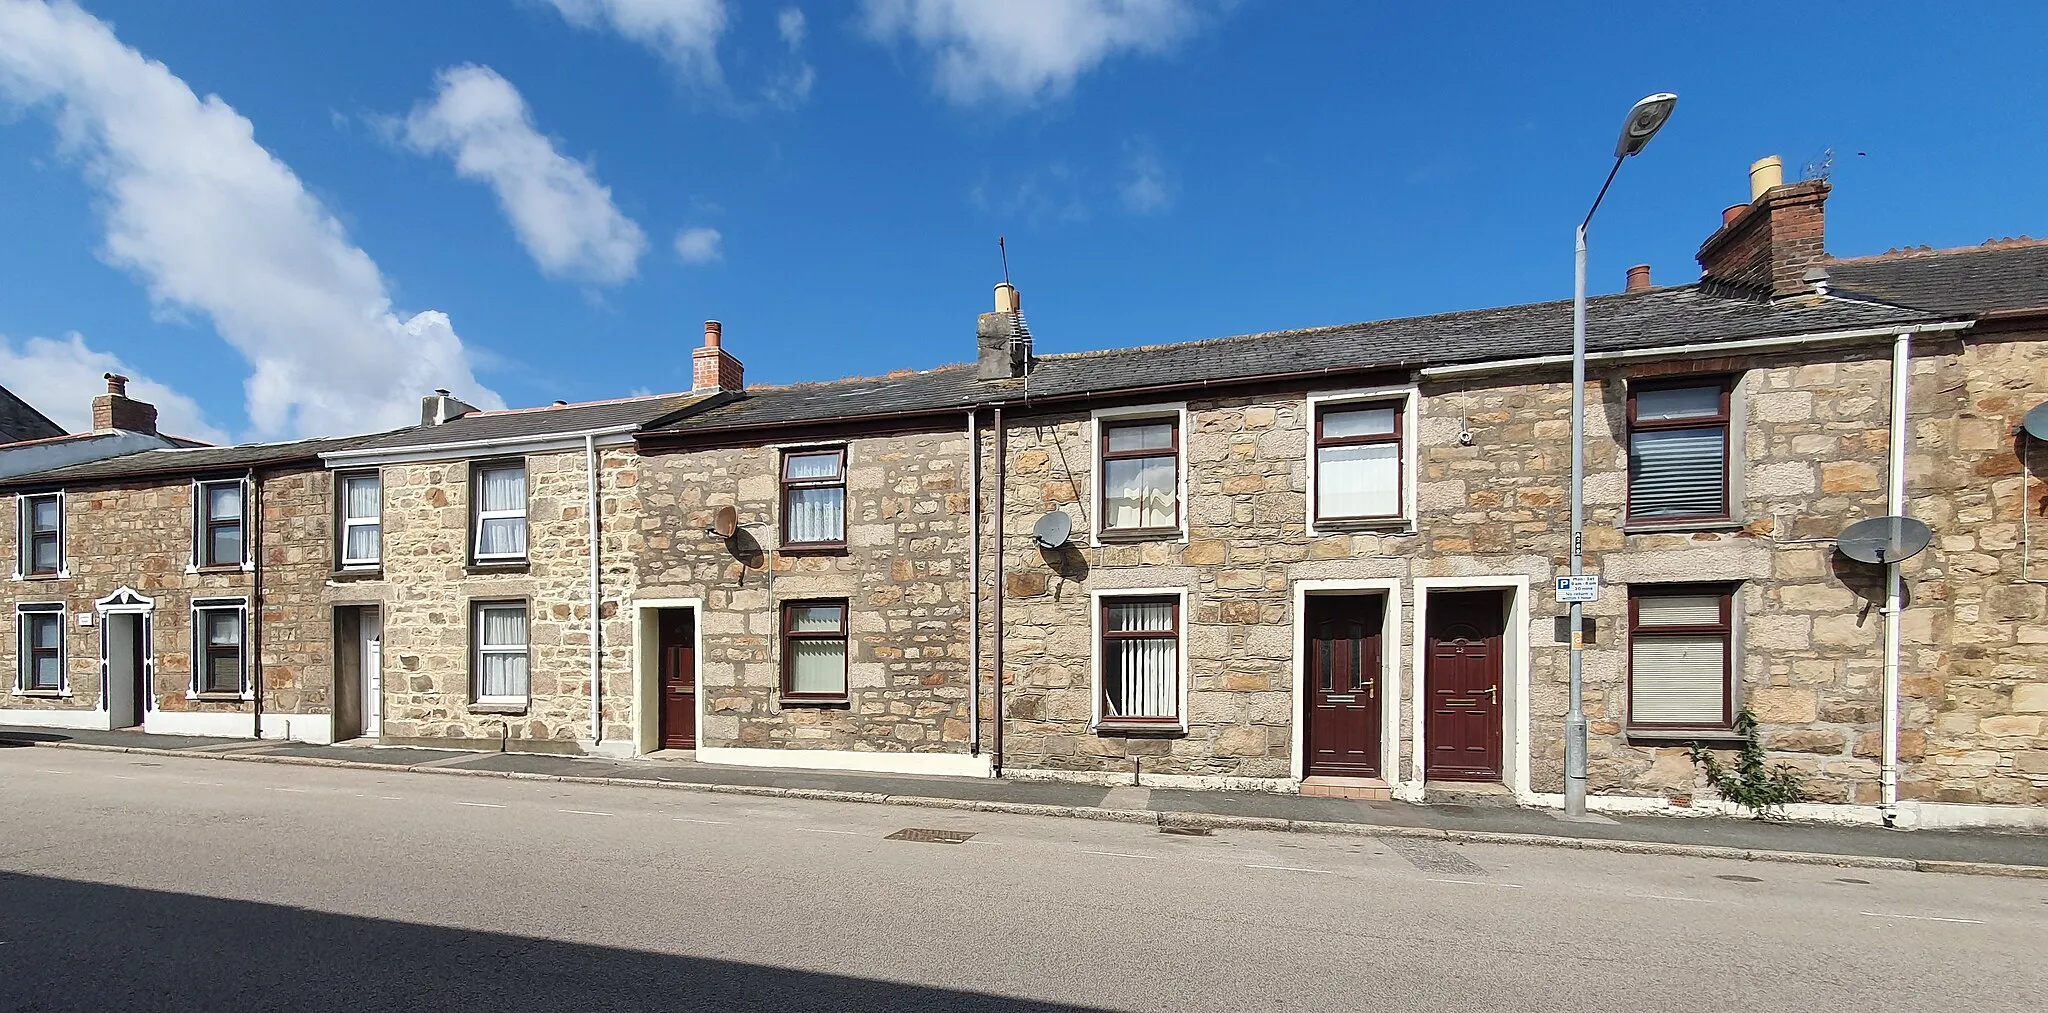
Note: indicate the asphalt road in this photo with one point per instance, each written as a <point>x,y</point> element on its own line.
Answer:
<point>186,884</point>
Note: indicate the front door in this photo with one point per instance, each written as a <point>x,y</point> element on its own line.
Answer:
<point>676,640</point>
<point>1342,634</point>
<point>372,633</point>
<point>124,645</point>
<point>1463,669</point>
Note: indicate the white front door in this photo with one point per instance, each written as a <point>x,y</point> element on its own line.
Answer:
<point>373,671</point>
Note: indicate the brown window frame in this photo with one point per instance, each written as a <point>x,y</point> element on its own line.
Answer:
<point>1104,455</point>
<point>1398,438</point>
<point>31,535</point>
<point>206,525</point>
<point>1106,636</point>
<point>24,614</point>
<point>843,635</point>
<point>1725,629</point>
<point>788,485</point>
<point>1725,419</point>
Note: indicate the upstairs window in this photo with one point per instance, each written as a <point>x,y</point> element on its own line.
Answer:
<point>814,651</point>
<point>501,652</point>
<point>1358,462</point>
<point>361,521</point>
<point>220,666</point>
<point>1678,453</point>
<point>1140,475</point>
<point>814,497</point>
<point>1681,657</point>
<point>41,628</point>
<point>1140,659</point>
<point>219,531</point>
<point>42,535</point>
<point>500,520</point>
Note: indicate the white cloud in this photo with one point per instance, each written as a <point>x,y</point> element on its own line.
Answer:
<point>700,245</point>
<point>1144,189</point>
<point>1022,52</point>
<point>62,378</point>
<point>684,33</point>
<point>212,222</point>
<point>791,85</point>
<point>790,24</point>
<point>565,218</point>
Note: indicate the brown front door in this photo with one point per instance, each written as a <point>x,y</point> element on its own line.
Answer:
<point>676,639</point>
<point>1343,672</point>
<point>1462,670</point>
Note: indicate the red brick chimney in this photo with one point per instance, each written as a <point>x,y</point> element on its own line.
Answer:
<point>714,368</point>
<point>116,410</point>
<point>1768,245</point>
<point>1638,278</point>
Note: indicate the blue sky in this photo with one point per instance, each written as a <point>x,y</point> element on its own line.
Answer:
<point>535,185</point>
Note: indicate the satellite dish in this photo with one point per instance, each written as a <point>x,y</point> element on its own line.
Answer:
<point>724,521</point>
<point>1883,539</point>
<point>1052,530</point>
<point>2036,422</point>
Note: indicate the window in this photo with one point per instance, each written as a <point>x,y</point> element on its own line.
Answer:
<point>1140,659</point>
<point>42,535</point>
<point>501,664</point>
<point>814,497</point>
<point>500,497</point>
<point>219,662</point>
<point>814,651</point>
<point>1678,453</point>
<point>1140,475</point>
<point>42,648</point>
<point>1681,657</point>
<point>361,520</point>
<point>220,523</point>
<point>1358,462</point>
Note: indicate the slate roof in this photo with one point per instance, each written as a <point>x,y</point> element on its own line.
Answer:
<point>1978,279</point>
<point>1678,315</point>
<point>20,420</point>
<point>185,461</point>
<point>533,423</point>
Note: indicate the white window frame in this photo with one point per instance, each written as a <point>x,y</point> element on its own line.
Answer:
<point>22,517</point>
<point>1178,412</point>
<point>240,606</point>
<point>478,515</point>
<point>21,660</point>
<point>1411,439</point>
<point>478,650</point>
<point>1096,600</point>
<point>348,523</point>
<point>199,532</point>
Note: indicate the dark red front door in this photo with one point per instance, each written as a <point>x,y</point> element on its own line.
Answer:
<point>1462,671</point>
<point>676,638</point>
<point>1343,672</point>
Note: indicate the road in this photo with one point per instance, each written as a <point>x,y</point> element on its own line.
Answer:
<point>165,883</point>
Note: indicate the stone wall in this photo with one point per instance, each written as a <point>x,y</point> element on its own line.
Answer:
<point>903,572</point>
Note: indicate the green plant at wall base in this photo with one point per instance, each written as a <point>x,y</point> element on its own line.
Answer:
<point>1753,785</point>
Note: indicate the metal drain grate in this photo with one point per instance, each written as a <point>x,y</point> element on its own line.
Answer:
<point>1188,831</point>
<point>929,836</point>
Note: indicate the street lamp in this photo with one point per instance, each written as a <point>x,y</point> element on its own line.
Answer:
<point>1643,122</point>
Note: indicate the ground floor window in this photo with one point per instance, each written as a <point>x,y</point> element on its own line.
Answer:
<point>814,650</point>
<point>1681,657</point>
<point>1140,658</point>
<point>219,661</point>
<point>501,651</point>
<point>41,648</point>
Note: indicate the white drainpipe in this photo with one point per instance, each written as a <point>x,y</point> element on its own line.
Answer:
<point>596,603</point>
<point>1888,777</point>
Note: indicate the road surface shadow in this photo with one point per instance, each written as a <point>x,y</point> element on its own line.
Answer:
<point>90,946</point>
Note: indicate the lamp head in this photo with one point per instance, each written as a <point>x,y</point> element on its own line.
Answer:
<point>1643,122</point>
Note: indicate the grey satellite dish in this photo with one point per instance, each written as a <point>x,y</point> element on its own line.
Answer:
<point>1052,530</point>
<point>1883,539</point>
<point>2036,422</point>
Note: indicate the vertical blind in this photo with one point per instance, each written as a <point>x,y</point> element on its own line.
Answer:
<point>817,665</point>
<point>1678,678</point>
<point>501,651</point>
<point>361,520</point>
<point>1142,680</point>
<point>1360,480</point>
<point>501,512</point>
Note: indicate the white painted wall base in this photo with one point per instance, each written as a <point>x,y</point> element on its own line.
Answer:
<point>949,764</point>
<point>86,719</point>
<point>1198,782</point>
<point>617,749</point>
<point>1911,815</point>
<point>317,729</point>
<point>1961,815</point>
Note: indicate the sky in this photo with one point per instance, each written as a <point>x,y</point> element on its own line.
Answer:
<point>296,219</point>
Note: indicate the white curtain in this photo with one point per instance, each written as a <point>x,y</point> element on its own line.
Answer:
<point>1145,681</point>
<point>1678,678</point>
<point>1139,492</point>
<point>816,514</point>
<point>224,654</point>
<point>501,659</point>
<point>362,506</point>
<point>1359,480</point>
<point>502,491</point>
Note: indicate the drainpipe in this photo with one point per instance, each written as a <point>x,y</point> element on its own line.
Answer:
<point>596,602</point>
<point>1888,777</point>
<point>255,645</point>
<point>973,583</point>
<point>1001,450</point>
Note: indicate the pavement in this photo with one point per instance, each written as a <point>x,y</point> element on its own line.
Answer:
<point>135,881</point>
<point>1965,851</point>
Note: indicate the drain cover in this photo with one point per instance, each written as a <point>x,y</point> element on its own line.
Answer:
<point>929,836</point>
<point>1188,831</point>
<point>1740,879</point>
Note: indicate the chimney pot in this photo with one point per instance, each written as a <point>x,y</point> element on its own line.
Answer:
<point>117,384</point>
<point>1639,278</point>
<point>1765,174</point>
<point>714,333</point>
<point>1732,212</point>
<point>1007,300</point>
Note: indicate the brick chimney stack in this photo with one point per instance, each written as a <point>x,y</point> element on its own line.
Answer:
<point>1767,246</point>
<point>115,410</point>
<point>714,368</point>
<point>1003,339</point>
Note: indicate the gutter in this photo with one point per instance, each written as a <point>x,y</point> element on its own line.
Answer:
<point>1714,348</point>
<point>371,453</point>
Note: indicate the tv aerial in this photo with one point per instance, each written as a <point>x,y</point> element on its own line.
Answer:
<point>1053,530</point>
<point>1883,540</point>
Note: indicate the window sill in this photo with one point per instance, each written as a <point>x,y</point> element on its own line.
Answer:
<point>1140,730</point>
<point>1398,525</point>
<point>816,701</point>
<point>357,573</point>
<point>218,697</point>
<point>217,568</point>
<point>1138,535</point>
<point>487,568</point>
<point>1681,735</point>
<point>1681,527</point>
<point>498,707</point>
<point>59,575</point>
<point>812,549</point>
<point>44,694</point>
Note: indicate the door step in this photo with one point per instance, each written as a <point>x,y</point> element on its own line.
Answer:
<point>1371,789</point>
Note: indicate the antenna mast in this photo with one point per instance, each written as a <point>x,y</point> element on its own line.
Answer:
<point>1004,251</point>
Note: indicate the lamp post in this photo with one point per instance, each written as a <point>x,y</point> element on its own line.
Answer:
<point>1644,120</point>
